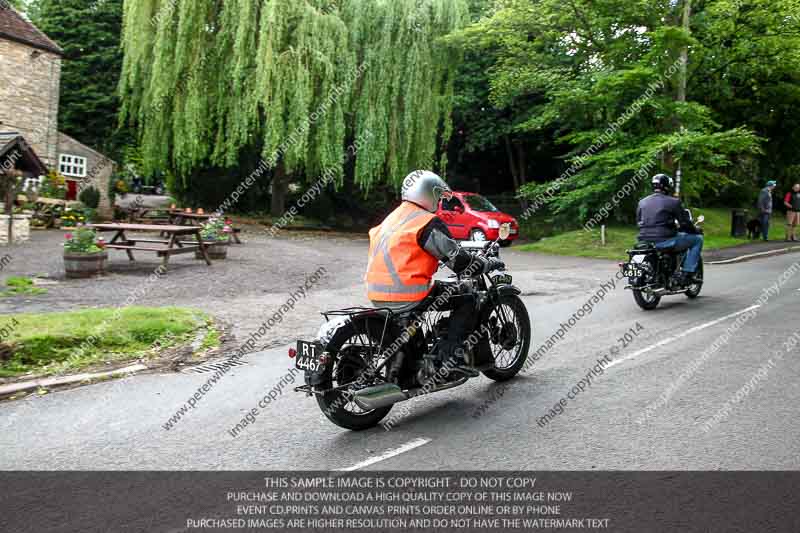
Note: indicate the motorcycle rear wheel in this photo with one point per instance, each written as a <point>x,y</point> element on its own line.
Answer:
<point>338,406</point>
<point>648,302</point>
<point>516,313</point>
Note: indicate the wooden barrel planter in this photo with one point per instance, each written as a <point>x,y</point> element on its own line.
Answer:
<point>217,250</point>
<point>84,265</point>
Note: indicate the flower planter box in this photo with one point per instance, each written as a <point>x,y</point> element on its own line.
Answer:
<point>217,250</point>
<point>84,265</point>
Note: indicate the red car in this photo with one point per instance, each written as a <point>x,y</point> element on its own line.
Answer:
<point>470,216</point>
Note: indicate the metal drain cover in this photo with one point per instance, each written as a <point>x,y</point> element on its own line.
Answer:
<point>213,367</point>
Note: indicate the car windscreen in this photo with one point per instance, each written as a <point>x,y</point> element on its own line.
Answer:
<point>479,203</point>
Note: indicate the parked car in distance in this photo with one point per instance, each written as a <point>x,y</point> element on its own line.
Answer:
<point>470,216</point>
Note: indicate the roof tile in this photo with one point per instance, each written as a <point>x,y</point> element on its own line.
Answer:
<point>17,28</point>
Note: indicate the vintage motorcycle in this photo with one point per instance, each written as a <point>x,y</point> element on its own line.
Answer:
<point>651,272</point>
<point>365,360</point>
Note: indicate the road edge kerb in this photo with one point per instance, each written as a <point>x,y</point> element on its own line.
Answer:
<point>47,383</point>
<point>748,257</point>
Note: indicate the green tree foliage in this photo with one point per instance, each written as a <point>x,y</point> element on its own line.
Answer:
<point>214,83</point>
<point>89,33</point>
<point>19,5</point>
<point>604,77</point>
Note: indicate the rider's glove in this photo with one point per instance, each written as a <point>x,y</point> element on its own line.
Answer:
<point>493,264</point>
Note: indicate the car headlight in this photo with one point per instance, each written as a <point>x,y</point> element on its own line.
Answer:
<point>493,224</point>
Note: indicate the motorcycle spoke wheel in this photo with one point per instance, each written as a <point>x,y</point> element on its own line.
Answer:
<point>511,339</point>
<point>355,349</point>
<point>646,299</point>
<point>508,347</point>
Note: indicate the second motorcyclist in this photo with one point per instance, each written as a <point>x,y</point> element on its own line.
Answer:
<point>657,215</point>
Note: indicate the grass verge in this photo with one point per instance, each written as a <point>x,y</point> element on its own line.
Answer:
<point>16,286</point>
<point>582,243</point>
<point>51,343</point>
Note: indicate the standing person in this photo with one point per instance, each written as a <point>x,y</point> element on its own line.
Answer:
<point>764,205</point>
<point>792,203</point>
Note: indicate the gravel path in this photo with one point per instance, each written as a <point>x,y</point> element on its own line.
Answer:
<point>254,282</point>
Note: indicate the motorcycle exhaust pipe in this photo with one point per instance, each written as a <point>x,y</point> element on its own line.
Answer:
<point>379,396</point>
<point>387,394</point>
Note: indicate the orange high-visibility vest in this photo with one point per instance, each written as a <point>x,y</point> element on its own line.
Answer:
<point>399,269</point>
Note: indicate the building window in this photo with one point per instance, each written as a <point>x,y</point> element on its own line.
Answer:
<point>72,165</point>
<point>32,184</point>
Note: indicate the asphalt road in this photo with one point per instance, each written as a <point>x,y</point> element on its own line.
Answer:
<point>120,424</point>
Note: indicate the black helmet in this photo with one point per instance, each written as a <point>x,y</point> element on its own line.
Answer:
<point>662,182</point>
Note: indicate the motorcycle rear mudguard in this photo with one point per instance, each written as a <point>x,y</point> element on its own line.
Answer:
<point>324,335</point>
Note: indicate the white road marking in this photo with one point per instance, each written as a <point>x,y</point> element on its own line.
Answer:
<point>416,443</point>
<point>752,256</point>
<point>682,335</point>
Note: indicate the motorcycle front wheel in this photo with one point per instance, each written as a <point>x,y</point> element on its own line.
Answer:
<point>512,340</point>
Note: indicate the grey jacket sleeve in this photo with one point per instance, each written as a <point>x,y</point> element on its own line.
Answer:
<point>437,240</point>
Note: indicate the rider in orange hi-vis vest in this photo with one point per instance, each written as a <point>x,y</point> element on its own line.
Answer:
<point>405,251</point>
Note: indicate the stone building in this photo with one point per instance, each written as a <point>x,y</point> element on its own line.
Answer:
<point>30,81</point>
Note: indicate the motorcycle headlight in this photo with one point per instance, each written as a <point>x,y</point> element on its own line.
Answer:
<point>493,224</point>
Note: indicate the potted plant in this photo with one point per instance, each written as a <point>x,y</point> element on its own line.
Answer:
<point>216,234</point>
<point>84,253</point>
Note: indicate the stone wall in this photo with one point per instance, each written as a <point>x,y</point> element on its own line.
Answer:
<point>98,170</point>
<point>29,94</point>
<point>21,229</point>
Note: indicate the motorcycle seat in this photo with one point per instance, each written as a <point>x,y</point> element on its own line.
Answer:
<point>643,247</point>
<point>398,308</point>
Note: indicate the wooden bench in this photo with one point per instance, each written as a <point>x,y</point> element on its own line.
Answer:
<point>173,245</point>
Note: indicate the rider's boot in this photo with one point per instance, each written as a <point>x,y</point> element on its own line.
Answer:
<point>684,279</point>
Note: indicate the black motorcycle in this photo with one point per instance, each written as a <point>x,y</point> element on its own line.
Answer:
<point>367,359</point>
<point>652,273</point>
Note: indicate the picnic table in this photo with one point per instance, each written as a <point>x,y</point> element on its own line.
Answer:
<point>179,218</point>
<point>145,215</point>
<point>164,248</point>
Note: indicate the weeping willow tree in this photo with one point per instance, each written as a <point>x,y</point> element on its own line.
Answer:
<point>294,81</point>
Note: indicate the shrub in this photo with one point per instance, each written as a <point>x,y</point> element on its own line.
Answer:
<point>90,197</point>
<point>77,216</point>
<point>54,185</point>
<point>117,184</point>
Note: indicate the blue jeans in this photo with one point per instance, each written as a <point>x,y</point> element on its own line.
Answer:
<point>764,219</point>
<point>686,241</point>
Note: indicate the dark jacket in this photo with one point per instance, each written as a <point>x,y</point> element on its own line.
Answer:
<point>656,216</point>
<point>765,201</point>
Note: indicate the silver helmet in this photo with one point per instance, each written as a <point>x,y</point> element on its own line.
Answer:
<point>424,188</point>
